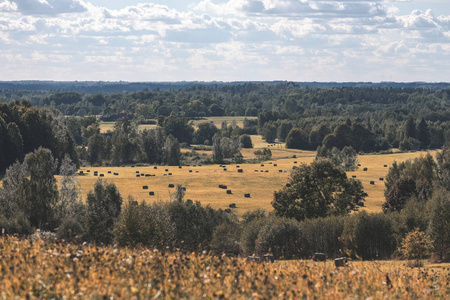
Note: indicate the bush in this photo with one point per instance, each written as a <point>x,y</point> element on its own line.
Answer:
<point>283,238</point>
<point>225,238</point>
<point>246,141</point>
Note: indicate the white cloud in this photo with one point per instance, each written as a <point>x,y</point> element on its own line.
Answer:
<point>220,40</point>
<point>49,7</point>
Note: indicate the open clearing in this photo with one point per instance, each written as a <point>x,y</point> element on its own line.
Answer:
<point>105,126</point>
<point>260,180</point>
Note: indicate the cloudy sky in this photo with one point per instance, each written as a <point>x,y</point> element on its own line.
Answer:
<point>225,40</point>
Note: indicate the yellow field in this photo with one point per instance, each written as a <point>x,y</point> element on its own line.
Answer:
<point>202,183</point>
<point>218,120</point>
<point>105,126</point>
<point>46,270</point>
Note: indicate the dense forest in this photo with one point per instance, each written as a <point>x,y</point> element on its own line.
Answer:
<point>367,119</point>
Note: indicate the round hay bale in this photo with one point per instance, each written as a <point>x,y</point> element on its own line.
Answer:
<point>232,205</point>
<point>171,185</point>
<point>145,187</point>
<point>179,167</point>
<point>247,195</point>
<point>280,171</point>
<point>88,171</point>
<point>109,172</point>
<point>381,179</point>
<point>137,172</point>
<point>372,182</point>
<point>228,210</point>
<point>138,175</point>
<point>147,175</point>
<point>167,170</point>
<point>240,171</point>
<point>81,172</point>
<point>155,168</point>
<point>190,171</point>
<point>385,166</point>
<point>262,165</point>
<point>151,193</point>
<point>353,176</point>
<point>365,169</point>
<point>275,165</point>
<point>224,169</point>
<point>170,174</point>
<point>229,192</point>
<point>295,162</point>
<point>102,175</point>
<point>116,174</point>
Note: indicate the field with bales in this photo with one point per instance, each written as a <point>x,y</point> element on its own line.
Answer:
<point>42,270</point>
<point>259,180</point>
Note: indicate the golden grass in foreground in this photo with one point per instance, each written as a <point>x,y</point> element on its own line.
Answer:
<point>41,270</point>
<point>202,183</point>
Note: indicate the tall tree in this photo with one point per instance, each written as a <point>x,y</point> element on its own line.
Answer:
<point>423,134</point>
<point>318,190</point>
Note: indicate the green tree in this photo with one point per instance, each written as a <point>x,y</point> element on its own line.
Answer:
<point>439,226</point>
<point>205,132</point>
<point>172,151</point>
<point>269,132</point>
<point>297,139</point>
<point>246,141</point>
<point>410,128</point>
<point>423,134</point>
<point>40,188</point>
<point>318,190</point>
<point>104,206</point>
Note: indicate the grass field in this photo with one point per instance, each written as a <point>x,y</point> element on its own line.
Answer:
<point>47,270</point>
<point>202,182</point>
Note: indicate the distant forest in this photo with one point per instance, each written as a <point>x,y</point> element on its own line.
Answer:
<point>369,117</point>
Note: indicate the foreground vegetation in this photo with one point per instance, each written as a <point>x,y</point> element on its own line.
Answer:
<point>35,269</point>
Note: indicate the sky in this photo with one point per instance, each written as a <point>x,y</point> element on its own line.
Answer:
<point>225,40</point>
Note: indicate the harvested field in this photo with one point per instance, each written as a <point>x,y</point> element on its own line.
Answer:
<point>202,183</point>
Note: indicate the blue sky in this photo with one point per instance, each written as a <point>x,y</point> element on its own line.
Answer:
<point>225,40</point>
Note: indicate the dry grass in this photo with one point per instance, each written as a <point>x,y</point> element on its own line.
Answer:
<point>46,270</point>
<point>202,183</point>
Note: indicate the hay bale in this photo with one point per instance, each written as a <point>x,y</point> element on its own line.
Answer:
<point>228,210</point>
<point>232,205</point>
<point>109,172</point>
<point>151,193</point>
<point>102,175</point>
<point>385,166</point>
<point>288,185</point>
<point>145,187</point>
<point>155,168</point>
<point>361,203</point>
<point>81,172</point>
<point>229,192</point>
<point>171,185</point>
<point>262,165</point>
<point>116,174</point>
<point>267,171</point>
<point>137,172</point>
<point>365,169</point>
<point>138,175</point>
<point>372,182</point>
<point>237,166</point>
<point>224,169</point>
<point>179,167</point>
<point>190,171</point>
<point>295,162</point>
<point>167,170</point>
<point>184,189</point>
<point>197,171</point>
<point>280,171</point>
<point>240,171</point>
<point>170,174</point>
<point>275,165</point>
<point>95,174</point>
<point>381,179</point>
<point>88,171</point>
<point>147,175</point>
<point>247,195</point>
<point>353,176</point>
<point>341,262</point>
